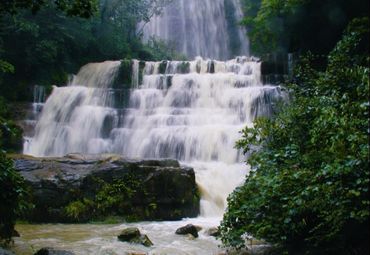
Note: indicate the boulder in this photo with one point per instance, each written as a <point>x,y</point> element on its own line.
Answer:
<point>64,189</point>
<point>188,229</point>
<point>133,235</point>
<point>52,251</point>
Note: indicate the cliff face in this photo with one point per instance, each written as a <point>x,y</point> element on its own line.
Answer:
<point>80,188</point>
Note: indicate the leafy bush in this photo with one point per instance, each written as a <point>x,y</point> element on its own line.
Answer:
<point>12,198</point>
<point>308,191</point>
<point>11,138</point>
<point>12,187</point>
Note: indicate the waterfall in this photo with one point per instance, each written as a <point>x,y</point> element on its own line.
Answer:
<point>207,28</point>
<point>188,110</point>
<point>74,118</point>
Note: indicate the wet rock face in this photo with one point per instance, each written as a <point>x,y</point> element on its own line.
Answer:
<point>147,189</point>
<point>188,229</point>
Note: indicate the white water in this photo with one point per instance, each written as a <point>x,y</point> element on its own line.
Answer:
<point>207,28</point>
<point>88,239</point>
<point>192,112</point>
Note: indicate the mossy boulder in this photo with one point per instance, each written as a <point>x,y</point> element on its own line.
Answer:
<point>82,188</point>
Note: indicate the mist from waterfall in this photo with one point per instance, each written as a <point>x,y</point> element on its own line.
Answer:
<point>207,28</point>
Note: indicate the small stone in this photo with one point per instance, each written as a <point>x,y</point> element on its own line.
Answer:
<point>128,234</point>
<point>52,251</point>
<point>188,229</point>
<point>133,235</point>
<point>144,239</point>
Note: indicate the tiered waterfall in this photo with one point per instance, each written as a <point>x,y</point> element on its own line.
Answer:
<point>188,110</point>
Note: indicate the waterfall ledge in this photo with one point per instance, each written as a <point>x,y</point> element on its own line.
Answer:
<point>72,188</point>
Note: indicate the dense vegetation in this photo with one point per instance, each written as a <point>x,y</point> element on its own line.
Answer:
<point>56,44</point>
<point>308,191</point>
<point>280,26</point>
<point>12,189</point>
<point>12,196</point>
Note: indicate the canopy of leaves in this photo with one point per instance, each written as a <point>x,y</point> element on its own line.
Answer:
<point>80,8</point>
<point>308,192</point>
<point>299,25</point>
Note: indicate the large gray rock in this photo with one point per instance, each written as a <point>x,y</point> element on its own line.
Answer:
<point>166,190</point>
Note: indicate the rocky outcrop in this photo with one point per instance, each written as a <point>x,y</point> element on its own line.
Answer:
<point>80,188</point>
<point>133,235</point>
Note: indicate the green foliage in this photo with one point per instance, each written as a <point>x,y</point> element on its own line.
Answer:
<point>44,48</point>
<point>10,134</point>
<point>81,8</point>
<point>80,210</point>
<point>109,199</point>
<point>12,187</point>
<point>297,25</point>
<point>5,67</point>
<point>308,190</point>
<point>12,198</point>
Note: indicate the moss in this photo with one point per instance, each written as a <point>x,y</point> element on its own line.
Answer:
<point>184,67</point>
<point>124,74</point>
<point>163,67</point>
<point>106,200</point>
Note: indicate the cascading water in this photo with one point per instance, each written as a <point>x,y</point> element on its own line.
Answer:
<point>207,28</point>
<point>188,110</point>
<point>73,117</point>
<point>191,111</point>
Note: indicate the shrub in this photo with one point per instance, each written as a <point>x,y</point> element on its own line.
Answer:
<point>308,191</point>
<point>12,198</point>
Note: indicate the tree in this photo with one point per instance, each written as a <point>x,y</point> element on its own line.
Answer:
<point>308,192</point>
<point>80,8</point>
<point>298,25</point>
